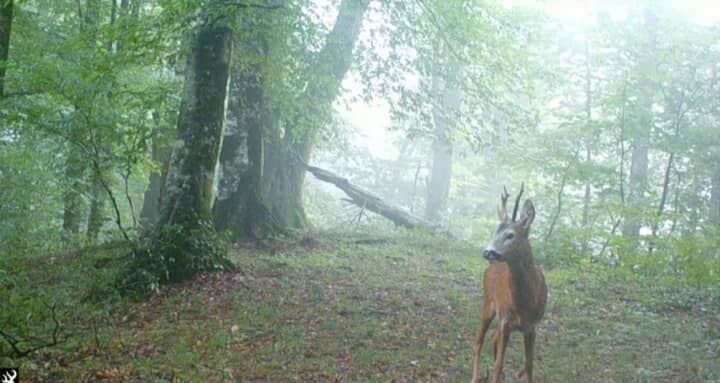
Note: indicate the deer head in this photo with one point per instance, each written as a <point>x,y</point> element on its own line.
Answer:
<point>9,377</point>
<point>510,241</point>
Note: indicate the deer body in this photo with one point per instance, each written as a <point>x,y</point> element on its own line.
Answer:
<point>514,290</point>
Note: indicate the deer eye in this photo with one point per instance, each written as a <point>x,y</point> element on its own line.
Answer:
<point>509,236</point>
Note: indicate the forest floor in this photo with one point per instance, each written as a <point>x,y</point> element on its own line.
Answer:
<point>398,309</point>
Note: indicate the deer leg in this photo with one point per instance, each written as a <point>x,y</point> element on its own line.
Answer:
<point>503,337</point>
<point>487,317</point>
<point>529,340</point>
<point>494,342</point>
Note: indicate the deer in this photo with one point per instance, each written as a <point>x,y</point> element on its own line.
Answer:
<point>514,289</point>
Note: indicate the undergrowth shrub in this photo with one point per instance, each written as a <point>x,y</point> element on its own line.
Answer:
<point>172,254</point>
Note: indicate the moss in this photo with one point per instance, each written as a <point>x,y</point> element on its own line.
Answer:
<point>174,254</point>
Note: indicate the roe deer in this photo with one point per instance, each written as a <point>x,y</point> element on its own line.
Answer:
<point>514,289</point>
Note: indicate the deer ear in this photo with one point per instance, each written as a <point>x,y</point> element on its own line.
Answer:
<point>527,215</point>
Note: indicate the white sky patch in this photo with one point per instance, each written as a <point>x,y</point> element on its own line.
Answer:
<point>371,121</point>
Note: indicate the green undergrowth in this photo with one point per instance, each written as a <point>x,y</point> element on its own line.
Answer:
<point>397,307</point>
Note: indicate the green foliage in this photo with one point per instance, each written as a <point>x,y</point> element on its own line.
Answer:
<point>173,254</point>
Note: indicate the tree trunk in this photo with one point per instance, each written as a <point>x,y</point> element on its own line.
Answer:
<point>152,198</point>
<point>283,180</point>
<point>284,175</point>
<point>96,217</point>
<point>241,207</point>
<point>715,197</point>
<point>72,197</point>
<point>369,201</point>
<point>641,136</point>
<point>588,151</point>
<point>6,17</point>
<point>439,186</point>
<point>200,128</point>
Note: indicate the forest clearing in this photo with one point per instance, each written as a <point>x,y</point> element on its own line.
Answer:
<point>401,308</point>
<point>360,191</point>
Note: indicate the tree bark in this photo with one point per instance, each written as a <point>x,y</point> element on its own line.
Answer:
<point>715,196</point>
<point>6,18</point>
<point>241,207</point>
<point>283,176</point>
<point>446,106</point>
<point>200,129</point>
<point>72,196</point>
<point>96,217</point>
<point>152,199</point>
<point>369,201</point>
<point>641,136</point>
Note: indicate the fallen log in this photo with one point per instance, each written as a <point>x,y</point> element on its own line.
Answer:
<point>371,202</point>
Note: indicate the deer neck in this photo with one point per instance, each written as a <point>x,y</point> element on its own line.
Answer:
<point>523,282</point>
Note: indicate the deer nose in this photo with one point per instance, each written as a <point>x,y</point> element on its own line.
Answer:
<point>491,255</point>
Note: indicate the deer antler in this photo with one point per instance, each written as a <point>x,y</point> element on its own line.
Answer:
<point>9,377</point>
<point>517,201</point>
<point>502,210</point>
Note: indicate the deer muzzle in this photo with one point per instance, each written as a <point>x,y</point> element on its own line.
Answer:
<point>491,255</point>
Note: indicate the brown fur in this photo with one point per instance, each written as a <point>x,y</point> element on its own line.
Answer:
<point>514,291</point>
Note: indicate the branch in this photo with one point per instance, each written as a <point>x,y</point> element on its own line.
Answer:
<point>13,342</point>
<point>251,5</point>
<point>371,202</point>
<point>607,241</point>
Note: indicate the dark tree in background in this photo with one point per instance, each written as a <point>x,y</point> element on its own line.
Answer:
<point>6,18</point>
<point>642,127</point>
<point>445,109</point>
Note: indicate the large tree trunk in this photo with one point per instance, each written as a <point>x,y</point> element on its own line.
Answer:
<point>444,108</point>
<point>283,176</point>
<point>283,180</point>
<point>6,17</point>
<point>190,195</point>
<point>72,196</point>
<point>641,132</point>
<point>241,207</point>
<point>184,240</point>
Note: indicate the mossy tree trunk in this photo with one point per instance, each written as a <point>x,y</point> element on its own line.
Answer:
<point>241,207</point>
<point>183,242</point>
<point>283,180</point>
<point>189,196</point>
